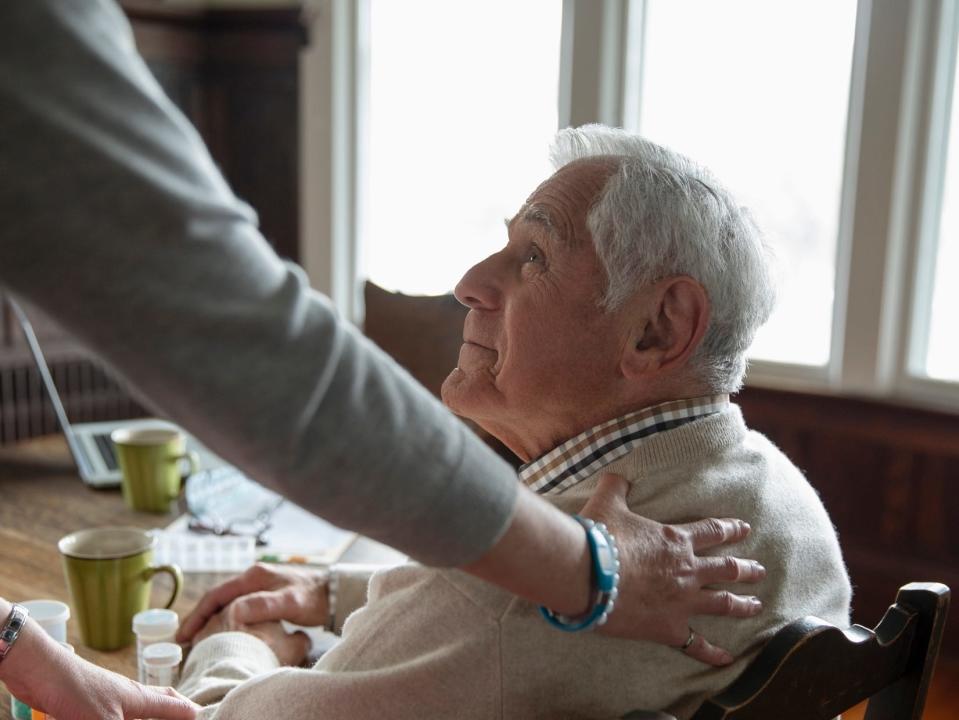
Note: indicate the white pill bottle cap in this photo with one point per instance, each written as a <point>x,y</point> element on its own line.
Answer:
<point>52,615</point>
<point>156,623</point>
<point>162,655</point>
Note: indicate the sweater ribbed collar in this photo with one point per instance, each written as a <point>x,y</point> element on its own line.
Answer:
<point>580,457</point>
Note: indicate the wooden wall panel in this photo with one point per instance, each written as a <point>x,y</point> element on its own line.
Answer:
<point>889,477</point>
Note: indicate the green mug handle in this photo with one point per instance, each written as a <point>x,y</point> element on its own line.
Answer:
<point>194,460</point>
<point>174,572</point>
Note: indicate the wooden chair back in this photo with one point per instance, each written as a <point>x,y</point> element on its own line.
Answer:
<point>424,335</point>
<point>812,669</point>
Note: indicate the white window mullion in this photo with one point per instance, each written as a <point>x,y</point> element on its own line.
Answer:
<point>593,63</point>
<point>940,48</point>
<point>632,54</point>
<point>933,141</point>
<point>333,141</point>
<point>871,329</point>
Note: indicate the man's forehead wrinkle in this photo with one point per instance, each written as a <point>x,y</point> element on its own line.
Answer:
<point>563,204</point>
<point>538,214</point>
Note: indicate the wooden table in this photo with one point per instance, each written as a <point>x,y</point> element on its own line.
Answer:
<point>42,499</point>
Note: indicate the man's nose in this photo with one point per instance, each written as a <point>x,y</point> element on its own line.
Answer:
<point>479,288</point>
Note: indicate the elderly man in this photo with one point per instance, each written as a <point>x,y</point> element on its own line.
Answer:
<point>604,338</point>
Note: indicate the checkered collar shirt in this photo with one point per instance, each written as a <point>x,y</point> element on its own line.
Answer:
<point>582,456</point>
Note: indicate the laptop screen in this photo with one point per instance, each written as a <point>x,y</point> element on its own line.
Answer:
<point>83,464</point>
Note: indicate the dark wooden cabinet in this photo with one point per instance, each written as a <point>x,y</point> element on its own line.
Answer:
<point>235,74</point>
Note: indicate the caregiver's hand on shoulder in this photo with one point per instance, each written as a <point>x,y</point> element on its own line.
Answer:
<point>664,582</point>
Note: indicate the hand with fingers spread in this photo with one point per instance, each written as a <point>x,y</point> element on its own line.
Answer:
<point>664,582</point>
<point>262,594</point>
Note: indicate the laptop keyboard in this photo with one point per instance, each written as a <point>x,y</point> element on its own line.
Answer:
<point>107,451</point>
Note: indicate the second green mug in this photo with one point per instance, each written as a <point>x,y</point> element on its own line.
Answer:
<point>151,460</point>
<point>109,572</point>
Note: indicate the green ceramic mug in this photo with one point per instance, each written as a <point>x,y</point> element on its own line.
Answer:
<point>109,572</point>
<point>151,461</point>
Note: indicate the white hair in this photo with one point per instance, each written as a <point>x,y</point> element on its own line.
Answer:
<point>660,214</point>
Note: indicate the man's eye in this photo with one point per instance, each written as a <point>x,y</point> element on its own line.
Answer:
<point>534,255</point>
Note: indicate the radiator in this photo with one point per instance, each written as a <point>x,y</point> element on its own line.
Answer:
<point>87,393</point>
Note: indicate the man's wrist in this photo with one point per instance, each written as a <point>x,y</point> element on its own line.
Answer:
<point>332,592</point>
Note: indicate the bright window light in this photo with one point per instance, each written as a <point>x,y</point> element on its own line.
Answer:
<point>462,107</point>
<point>942,352</point>
<point>758,92</point>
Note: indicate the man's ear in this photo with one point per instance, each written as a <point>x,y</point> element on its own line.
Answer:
<point>671,318</point>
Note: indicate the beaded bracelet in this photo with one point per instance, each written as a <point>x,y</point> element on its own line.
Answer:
<point>11,628</point>
<point>605,576</point>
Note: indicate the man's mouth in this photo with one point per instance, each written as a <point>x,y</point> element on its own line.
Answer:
<point>476,344</point>
<point>473,356</point>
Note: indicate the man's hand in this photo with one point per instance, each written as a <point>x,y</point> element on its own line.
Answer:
<point>264,593</point>
<point>289,648</point>
<point>662,579</point>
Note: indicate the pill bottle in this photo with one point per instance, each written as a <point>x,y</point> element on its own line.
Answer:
<point>52,616</point>
<point>161,664</point>
<point>151,627</point>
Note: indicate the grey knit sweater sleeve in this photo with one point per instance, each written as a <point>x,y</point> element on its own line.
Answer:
<point>117,223</point>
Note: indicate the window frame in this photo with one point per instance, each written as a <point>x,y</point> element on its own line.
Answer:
<point>942,43</point>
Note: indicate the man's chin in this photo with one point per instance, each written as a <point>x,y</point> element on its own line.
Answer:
<point>463,394</point>
<point>451,391</point>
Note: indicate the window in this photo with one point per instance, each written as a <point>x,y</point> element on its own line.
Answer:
<point>941,356</point>
<point>829,119</point>
<point>758,92</point>
<point>462,106</point>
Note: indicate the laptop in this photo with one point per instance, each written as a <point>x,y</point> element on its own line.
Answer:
<point>90,443</point>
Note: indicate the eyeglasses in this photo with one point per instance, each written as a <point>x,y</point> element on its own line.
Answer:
<point>223,501</point>
<point>256,528</point>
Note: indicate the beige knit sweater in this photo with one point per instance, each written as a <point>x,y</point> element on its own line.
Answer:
<point>441,644</point>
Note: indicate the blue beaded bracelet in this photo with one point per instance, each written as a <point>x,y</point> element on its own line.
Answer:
<point>605,575</point>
